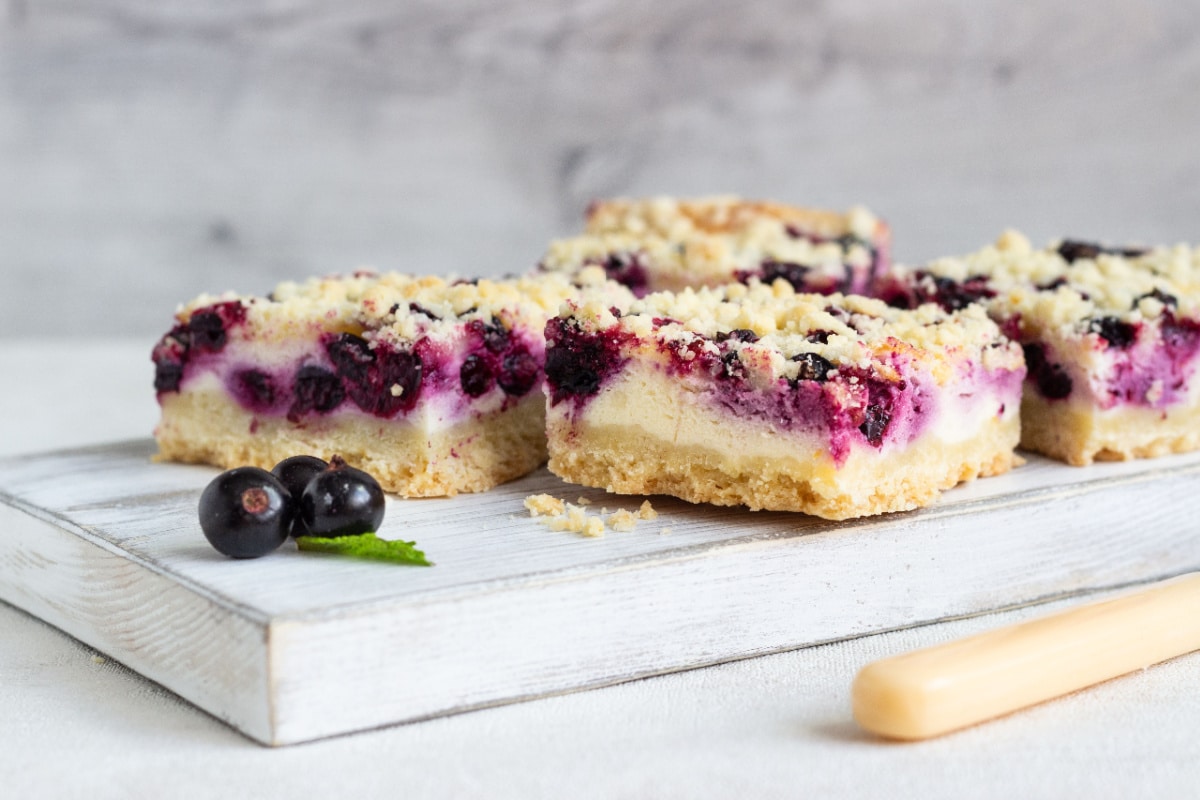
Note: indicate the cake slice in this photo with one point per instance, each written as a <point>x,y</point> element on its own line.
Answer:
<point>432,386</point>
<point>756,395</point>
<point>1111,338</point>
<point>668,244</point>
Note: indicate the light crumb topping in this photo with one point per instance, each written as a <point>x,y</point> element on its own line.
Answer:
<point>676,218</point>
<point>769,329</point>
<point>703,259</point>
<point>400,308</point>
<point>709,241</point>
<point>1049,291</point>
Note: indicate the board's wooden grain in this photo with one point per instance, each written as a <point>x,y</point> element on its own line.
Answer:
<point>208,652</point>
<point>105,544</point>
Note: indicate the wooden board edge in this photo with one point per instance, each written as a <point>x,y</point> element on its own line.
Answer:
<point>205,652</point>
<point>455,654</point>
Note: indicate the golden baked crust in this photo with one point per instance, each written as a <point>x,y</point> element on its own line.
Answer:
<point>1080,434</point>
<point>474,455</point>
<point>634,459</point>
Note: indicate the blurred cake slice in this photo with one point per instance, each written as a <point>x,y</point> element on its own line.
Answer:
<point>670,244</point>
<point>1111,337</point>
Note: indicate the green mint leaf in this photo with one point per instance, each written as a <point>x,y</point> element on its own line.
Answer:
<point>366,545</point>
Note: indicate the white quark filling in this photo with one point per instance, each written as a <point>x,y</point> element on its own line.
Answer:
<point>659,406</point>
<point>653,403</point>
<point>1092,370</point>
<point>961,416</point>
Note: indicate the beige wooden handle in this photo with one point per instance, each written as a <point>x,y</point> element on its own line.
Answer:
<point>943,688</point>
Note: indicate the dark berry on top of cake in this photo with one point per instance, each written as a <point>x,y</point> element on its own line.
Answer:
<point>434,385</point>
<point>669,244</point>
<point>753,394</point>
<point>1111,337</point>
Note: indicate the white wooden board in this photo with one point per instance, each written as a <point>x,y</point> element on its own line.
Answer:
<point>105,544</point>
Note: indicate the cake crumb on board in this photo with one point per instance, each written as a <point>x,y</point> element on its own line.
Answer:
<point>576,520</point>
<point>622,520</point>
<point>544,505</point>
<point>563,516</point>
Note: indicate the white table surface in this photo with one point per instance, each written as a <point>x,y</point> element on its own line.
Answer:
<point>74,724</point>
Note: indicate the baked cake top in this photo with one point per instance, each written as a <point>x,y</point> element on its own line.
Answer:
<point>699,259</point>
<point>667,243</point>
<point>774,332</point>
<point>673,218</point>
<point>1068,284</point>
<point>400,307</point>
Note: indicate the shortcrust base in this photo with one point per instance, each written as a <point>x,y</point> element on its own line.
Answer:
<point>629,460</point>
<point>1079,434</point>
<point>469,456</point>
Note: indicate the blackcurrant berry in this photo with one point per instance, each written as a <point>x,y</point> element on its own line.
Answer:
<point>341,501</point>
<point>246,512</point>
<point>295,472</point>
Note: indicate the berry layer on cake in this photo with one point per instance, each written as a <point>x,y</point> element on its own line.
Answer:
<point>666,244</point>
<point>756,395</point>
<point>1111,338</point>
<point>432,386</point>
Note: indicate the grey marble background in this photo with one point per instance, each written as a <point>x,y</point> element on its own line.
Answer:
<point>153,150</point>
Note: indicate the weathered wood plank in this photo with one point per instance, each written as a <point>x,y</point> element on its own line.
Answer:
<point>104,544</point>
<point>208,652</point>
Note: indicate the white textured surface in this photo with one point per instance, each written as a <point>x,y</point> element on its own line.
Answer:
<point>170,148</point>
<point>776,726</point>
<point>290,649</point>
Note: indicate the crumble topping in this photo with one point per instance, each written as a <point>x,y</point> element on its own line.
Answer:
<point>1042,285</point>
<point>669,244</point>
<point>705,258</point>
<point>773,332</point>
<point>1111,325</point>
<point>680,218</point>
<point>399,308</point>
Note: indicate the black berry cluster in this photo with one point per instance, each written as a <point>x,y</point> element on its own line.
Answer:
<point>247,512</point>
